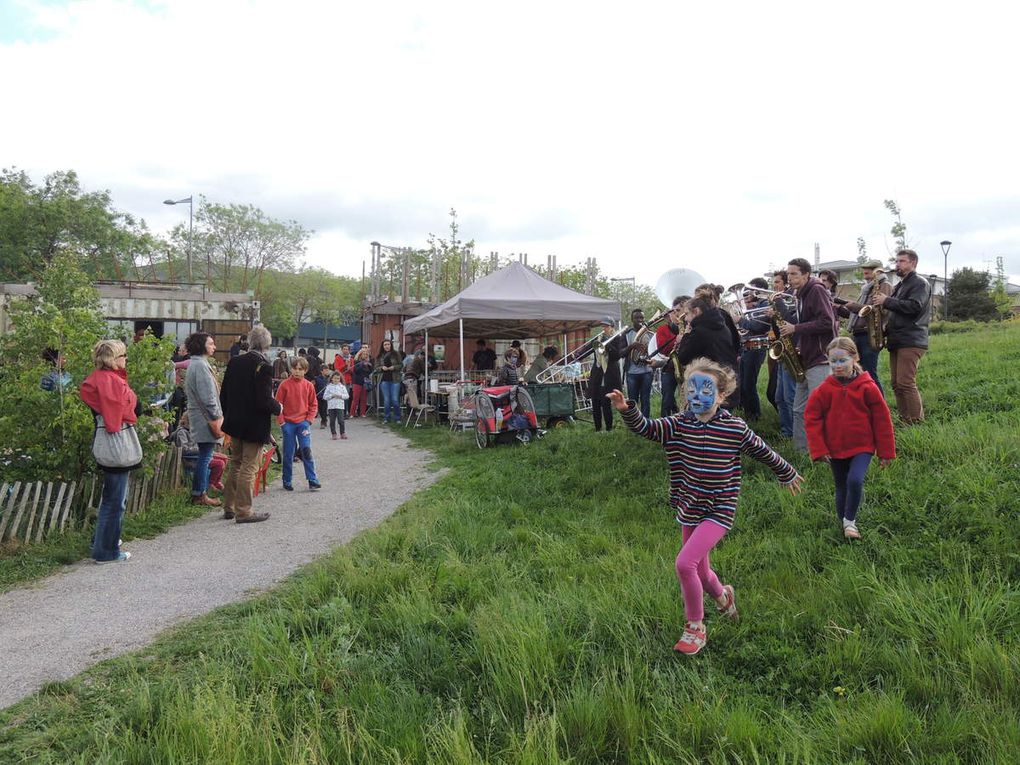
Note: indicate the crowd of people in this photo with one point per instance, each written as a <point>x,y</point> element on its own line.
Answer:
<point>824,386</point>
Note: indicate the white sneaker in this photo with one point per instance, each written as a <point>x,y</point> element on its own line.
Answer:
<point>123,556</point>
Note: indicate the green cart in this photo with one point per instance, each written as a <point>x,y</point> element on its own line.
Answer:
<point>554,403</point>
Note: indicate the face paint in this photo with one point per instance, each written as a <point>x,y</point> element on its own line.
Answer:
<point>841,363</point>
<point>702,393</point>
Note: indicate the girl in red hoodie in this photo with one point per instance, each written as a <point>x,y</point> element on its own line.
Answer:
<point>847,422</point>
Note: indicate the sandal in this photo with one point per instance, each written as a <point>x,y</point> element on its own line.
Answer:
<point>850,532</point>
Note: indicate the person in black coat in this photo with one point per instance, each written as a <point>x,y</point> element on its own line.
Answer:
<point>246,396</point>
<point>603,381</point>
<point>709,335</point>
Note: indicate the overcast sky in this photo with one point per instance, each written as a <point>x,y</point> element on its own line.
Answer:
<point>722,137</point>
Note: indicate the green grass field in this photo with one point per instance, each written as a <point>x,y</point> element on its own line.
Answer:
<point>523,609</point>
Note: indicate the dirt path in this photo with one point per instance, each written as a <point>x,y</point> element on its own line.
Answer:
<point>55,628</point>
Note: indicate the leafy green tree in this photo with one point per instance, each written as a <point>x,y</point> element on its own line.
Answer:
<point>241,243</point>
<point>47,434</point>
<point>899,228</point>
<point>37,223</point>
<point>1003,303</point>
<point>969,296</point>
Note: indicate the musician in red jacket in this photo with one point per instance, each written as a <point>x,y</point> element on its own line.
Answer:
<point>847,422</point>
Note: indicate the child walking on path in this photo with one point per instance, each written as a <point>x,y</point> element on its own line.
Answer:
<point>847,421</point>
<point>335,395</point>
<point>297,396</point>
<point>703,446</point>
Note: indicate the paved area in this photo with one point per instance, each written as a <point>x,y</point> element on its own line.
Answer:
<point>59,626</point>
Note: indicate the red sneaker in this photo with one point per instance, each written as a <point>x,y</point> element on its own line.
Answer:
<point>730,609</point>
<point>692,641</point>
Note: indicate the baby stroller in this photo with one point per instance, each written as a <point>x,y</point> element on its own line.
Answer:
<point>503,415</point>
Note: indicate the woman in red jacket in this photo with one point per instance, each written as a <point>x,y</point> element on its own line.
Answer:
<point>847,421</point>
<point>107,394</point>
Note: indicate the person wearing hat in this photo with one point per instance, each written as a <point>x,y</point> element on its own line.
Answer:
<point>602,381</point>
<point>875,282</point>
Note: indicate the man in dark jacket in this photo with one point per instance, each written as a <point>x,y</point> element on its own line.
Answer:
<point>813,326</point>
<point>708,335</point>
<point>874,282</point>
<point>605,374</point>
<point>248,404</point>
<point>906,333</point>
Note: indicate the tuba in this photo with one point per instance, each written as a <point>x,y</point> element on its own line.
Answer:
<point>643,335</point>
<point>784,351</point>
<point>874,318</point>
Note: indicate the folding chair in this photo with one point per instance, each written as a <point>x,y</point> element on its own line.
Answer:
<point>415,409</point>
<point>260,477</point>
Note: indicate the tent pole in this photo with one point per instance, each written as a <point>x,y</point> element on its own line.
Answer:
<point>461,348</point>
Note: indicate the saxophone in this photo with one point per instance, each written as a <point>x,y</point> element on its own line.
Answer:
<point>784,351</point>
<point>874,319</point>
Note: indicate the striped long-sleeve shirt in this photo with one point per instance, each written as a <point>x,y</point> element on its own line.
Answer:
<point>704,461</point>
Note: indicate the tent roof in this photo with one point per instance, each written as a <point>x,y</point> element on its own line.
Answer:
<point>513,303</point>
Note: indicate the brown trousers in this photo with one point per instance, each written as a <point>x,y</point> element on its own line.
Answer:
<point>243,462</point>
<point>903,370</point>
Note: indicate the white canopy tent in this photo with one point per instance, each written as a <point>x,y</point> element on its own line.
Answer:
<point>513,303</point>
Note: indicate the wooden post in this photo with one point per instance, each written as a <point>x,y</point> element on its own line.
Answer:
<point>67,505</point>
<point>55,516</point>
<point>5,515</point>
<point>33,511</point>
<point>47,508</point>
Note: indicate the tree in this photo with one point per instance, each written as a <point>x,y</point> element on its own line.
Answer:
<point>969,296</point>
<point>1003,303</point>
<point>899,228</point>
<point>241,242</point>
<point>37,223</point>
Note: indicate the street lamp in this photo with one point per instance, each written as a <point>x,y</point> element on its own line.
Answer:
<point>946,244</point>
<point>191,232</point>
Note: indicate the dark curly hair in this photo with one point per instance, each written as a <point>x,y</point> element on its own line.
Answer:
<point>195,344</point>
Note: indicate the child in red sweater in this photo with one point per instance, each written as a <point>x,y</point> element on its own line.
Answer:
<point>847,421</point>
<point>297,396</point>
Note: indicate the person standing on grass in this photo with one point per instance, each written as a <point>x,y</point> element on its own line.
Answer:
<point>297,397</point>
<point>205,414</point>
<point>875,281</point>
<point>246,396</point>
<point>703,446</point>
<point>107,394</point>
<point>906,333</point>
<point>360,377</point>
<point>390,364</point>
<point>811,325</point>
<point>335,395</point>
<point>848,421</point>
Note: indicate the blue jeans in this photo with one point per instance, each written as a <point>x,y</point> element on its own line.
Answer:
<point>848,475</point>
<point>111,514</point>
<point>750,365</point>
<point>200,478</point>
<point>668,381</point>
<point>786,389</point>
<point>639,388</point>
<point>391,401</point>
<point>869,357</point>
<point>299,433</point>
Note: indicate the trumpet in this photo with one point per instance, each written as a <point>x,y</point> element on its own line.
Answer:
<point>787,298</point>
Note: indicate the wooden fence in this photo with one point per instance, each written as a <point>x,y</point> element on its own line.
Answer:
<point>31,511</point>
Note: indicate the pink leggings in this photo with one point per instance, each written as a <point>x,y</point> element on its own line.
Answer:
<point>693,569</point>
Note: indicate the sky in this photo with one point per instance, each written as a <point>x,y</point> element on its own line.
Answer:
<point>723,138</point>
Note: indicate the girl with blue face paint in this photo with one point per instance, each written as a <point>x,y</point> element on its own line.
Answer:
<point>703,448</point>
<point>847,422</point>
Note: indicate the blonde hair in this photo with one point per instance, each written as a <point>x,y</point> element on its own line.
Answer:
<point>844,343</point>
<point>363,353</point>
<point>725,378</point>
<point>711,292</point>
<point>105,352</point>
<point>299,363</point>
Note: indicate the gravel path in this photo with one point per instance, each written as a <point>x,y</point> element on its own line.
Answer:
<point>56,628</point>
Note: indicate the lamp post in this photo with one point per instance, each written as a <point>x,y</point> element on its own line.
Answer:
<point>191,233</point>
<point>945,244</point>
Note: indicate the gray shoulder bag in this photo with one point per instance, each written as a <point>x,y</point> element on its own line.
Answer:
<point>120,450</point>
